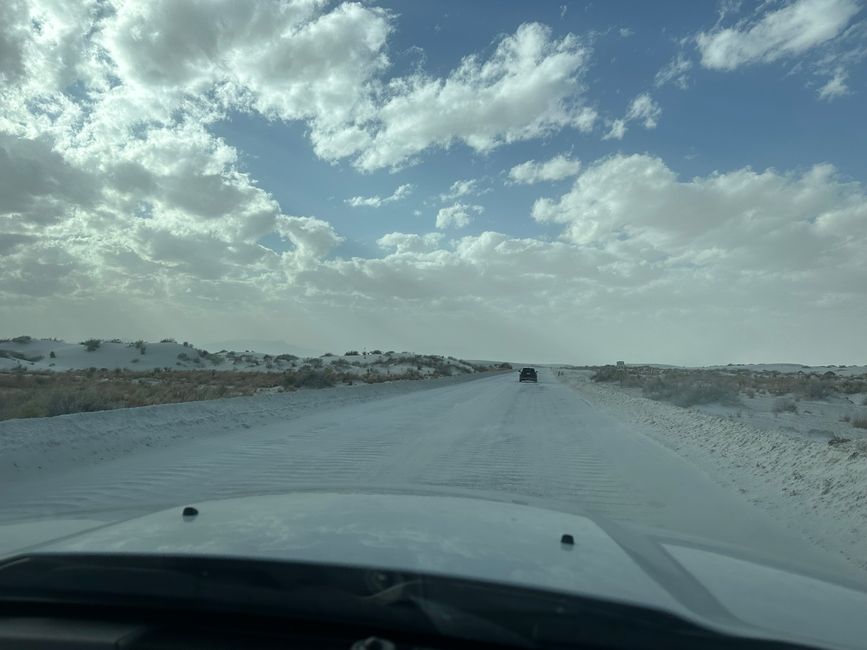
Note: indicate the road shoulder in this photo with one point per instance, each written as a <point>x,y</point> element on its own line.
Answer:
<point>814,488</point>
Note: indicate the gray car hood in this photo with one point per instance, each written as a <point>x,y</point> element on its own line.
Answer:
<point>500,542</point>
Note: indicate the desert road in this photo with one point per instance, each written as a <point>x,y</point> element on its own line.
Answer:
<point>492,435</point>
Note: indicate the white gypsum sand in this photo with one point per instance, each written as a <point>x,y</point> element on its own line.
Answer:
<point>815,488</point>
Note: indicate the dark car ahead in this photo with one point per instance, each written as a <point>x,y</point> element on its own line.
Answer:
<point>528,374</point>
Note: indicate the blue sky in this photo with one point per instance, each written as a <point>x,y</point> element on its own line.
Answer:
<point>759,116</point>
<point>669,181</point>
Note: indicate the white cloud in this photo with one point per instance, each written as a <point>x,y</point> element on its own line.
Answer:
<point>377,201</point>
<point>835,87</point>
<point>790,30</point>
<point>616,130</point>
<point>312,238</point>
<point>458,215</point>
<point>529,87</point>
<point>648,265</point>
<point>287,60</point>
<point>675,71</point>
<point>766,221</point>
<point>555,169</point>
<point>585,119</point>
<point>625,32</point>
<point>115,197</point>
<point>118,185</point>
<point>644,109</point>
<point>466,187</point>
<point>401,242</point>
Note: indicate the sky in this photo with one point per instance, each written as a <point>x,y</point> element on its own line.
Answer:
<point>577,182</point>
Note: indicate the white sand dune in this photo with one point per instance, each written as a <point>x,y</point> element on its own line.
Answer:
<point>36,354</point>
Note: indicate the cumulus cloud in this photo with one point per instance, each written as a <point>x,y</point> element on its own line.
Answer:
<point>459,215</point>
<point>289,60</point>
<point>529,87</point>
<point>674,72</point>
<point>119,183</point>
<point>312,238</point>
<point>555,169</point>
<point>401,242</point>
<point>113,192</point>
<point>747,222</point>
<point>648,265</point>
<point>376,201</point>
<point>38,186</point>
<point>788,31</point>
<point>109,177</point>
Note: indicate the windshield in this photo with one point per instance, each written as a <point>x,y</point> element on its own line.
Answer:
<point>607,257</point>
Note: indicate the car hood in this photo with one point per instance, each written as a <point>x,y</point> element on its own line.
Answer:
<point>496,541</point>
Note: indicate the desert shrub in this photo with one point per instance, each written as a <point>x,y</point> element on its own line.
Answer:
<point>351,353</point>
<point>816,388</point>
<point>608,373</point>
<point>115,341</point>
<point>860,423</point>
<point>689,392</point>
<point>168,340</point>
<point>22,339</point>
<point>134,361</point>
<point>505,366</point>
<point>62,401</point>
<point>285,357</point>
<point>853,386</point>
<point>308,378</point>
<point>183,356</point>
<point>376,352</point>
<point>631,381</point>
<point>785,406</point>
<point>91,345</point>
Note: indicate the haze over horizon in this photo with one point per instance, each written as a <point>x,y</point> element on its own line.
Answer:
<point>559,182</point>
